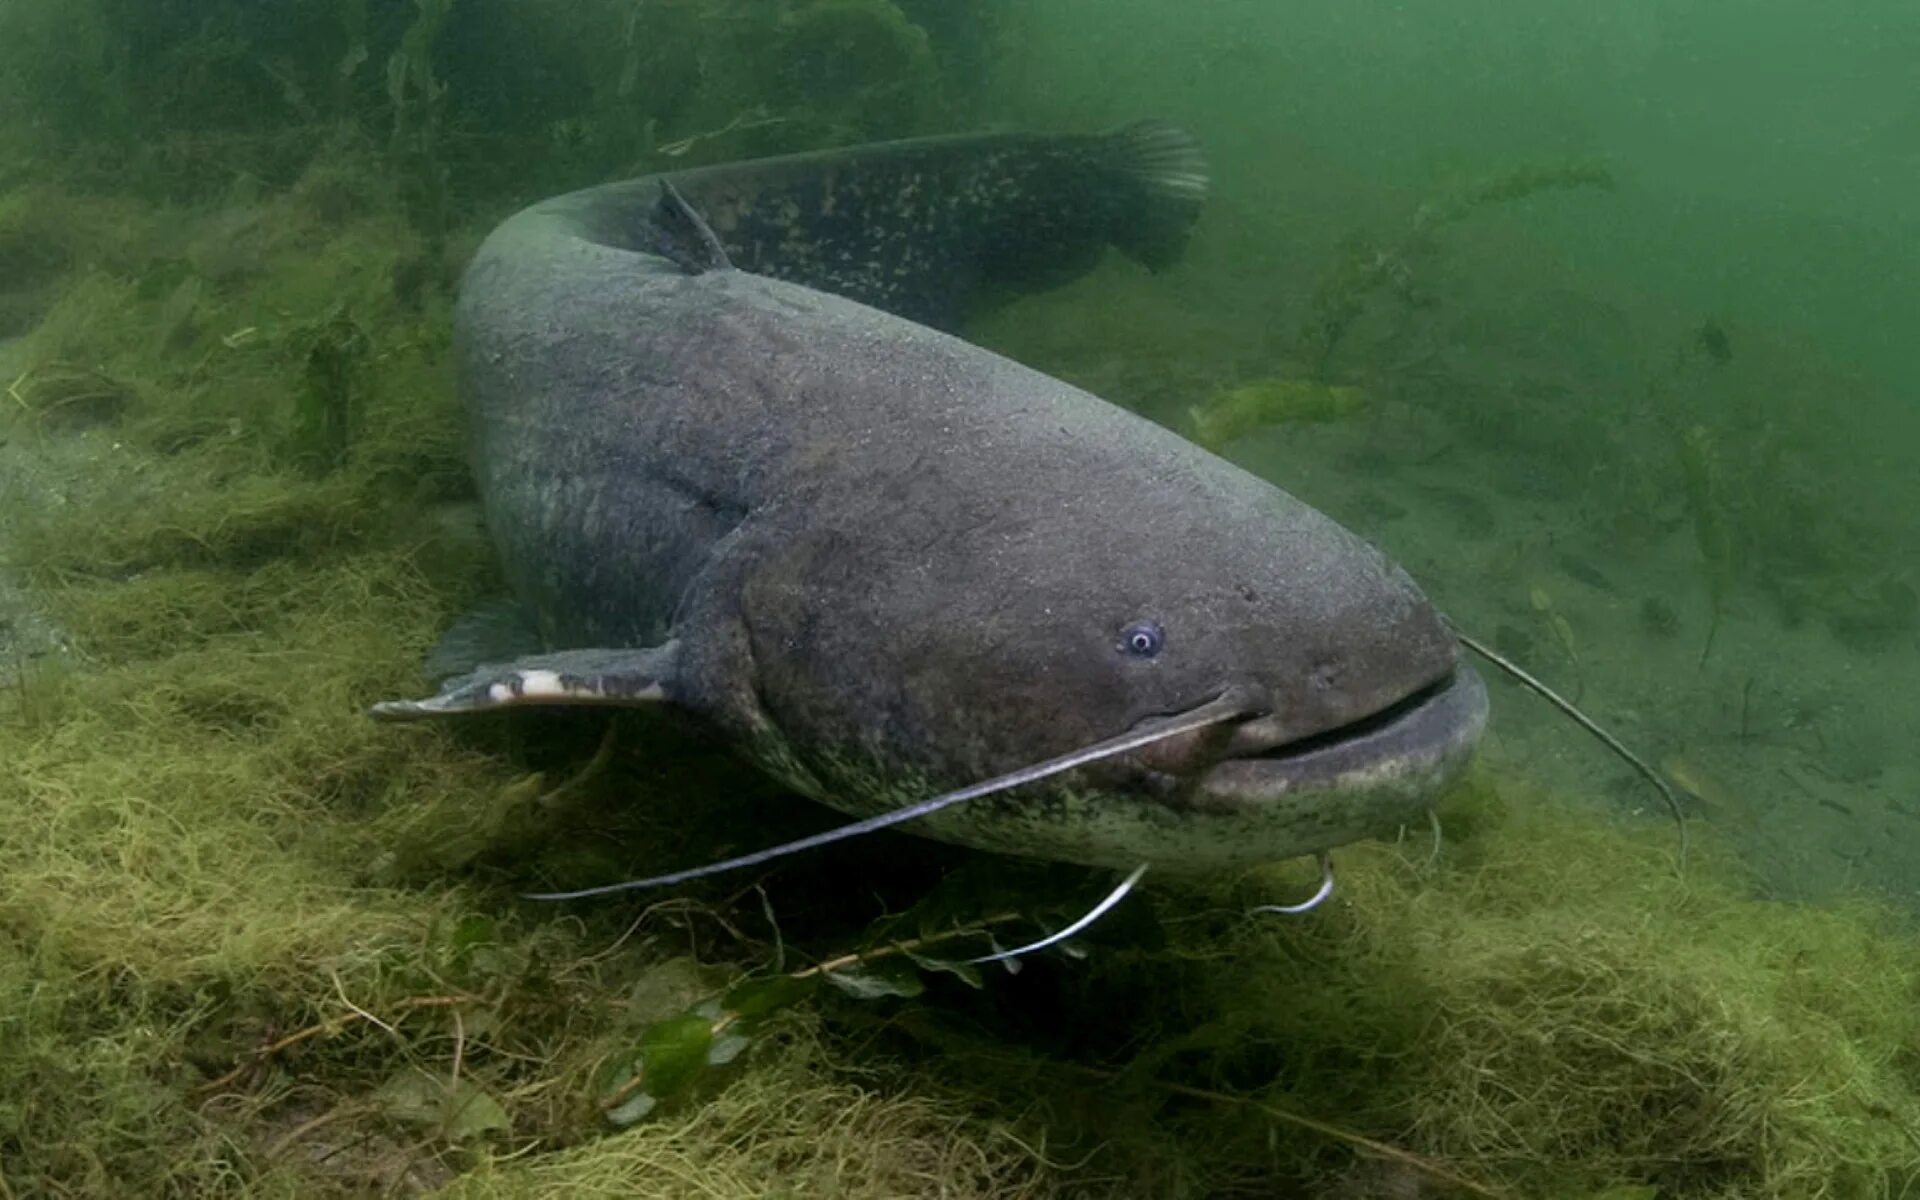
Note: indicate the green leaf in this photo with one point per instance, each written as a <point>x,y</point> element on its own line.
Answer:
<point>668,988</point>
<point>470,1112</point>
<point>870,981</point>
<point>412,1096</point>
<point>473,930</point>
<point>474,951</point>
<point>758,997</point>
<point>460,1113</point>
<point>635,1108</point>
<point>969,893</point>
<point>1629,1191</point>
<point>476,1022</point>
<point>673,1053</point>
<point>726,1048</point>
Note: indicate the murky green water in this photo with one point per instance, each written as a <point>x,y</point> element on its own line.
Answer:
<point>1597,318</point>
<point>1539,371</point>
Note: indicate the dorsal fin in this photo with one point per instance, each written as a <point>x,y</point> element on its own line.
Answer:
<point>685,236</point>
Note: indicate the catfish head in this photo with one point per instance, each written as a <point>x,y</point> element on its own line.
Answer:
<point>1035,611</point>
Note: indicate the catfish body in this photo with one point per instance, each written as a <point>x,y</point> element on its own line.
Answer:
<point>731,464</point>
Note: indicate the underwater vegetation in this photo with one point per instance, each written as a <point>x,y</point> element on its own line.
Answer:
<point>1238,411</point>
<point>251,944</point>
<point>1758,487</point>
<point>1362,270</point>
<point>1367,267</point>
<point>474,98</point>
<point>1723,436</point>
<point>1698,466</point>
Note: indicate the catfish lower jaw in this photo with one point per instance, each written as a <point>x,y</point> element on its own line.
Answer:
<point>1378,772</point>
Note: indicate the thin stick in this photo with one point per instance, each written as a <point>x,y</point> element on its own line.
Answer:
<point>907,947</point>
<point>857,958</point>
<point>1591,726</point>
<point>324,1029</point>
<point>340,990</point>
<point>602,755</point>
<point>1326,1129</point>
<point>459,1052</point>
<point>286,1141</point>
<point>1313,1125</point>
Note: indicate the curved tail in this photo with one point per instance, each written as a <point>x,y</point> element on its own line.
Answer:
<point>1162,180</point>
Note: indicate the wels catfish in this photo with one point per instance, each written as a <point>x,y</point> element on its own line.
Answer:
<point>733,464</point>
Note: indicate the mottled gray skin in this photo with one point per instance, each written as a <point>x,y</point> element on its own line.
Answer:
<point>888,562</point>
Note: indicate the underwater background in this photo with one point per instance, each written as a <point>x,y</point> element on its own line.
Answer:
<point>1598,318</point>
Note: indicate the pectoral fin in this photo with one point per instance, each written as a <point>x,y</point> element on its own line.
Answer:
<point>617,678</point>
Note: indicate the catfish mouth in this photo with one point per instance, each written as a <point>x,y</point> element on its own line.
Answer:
<point>1401,756</point>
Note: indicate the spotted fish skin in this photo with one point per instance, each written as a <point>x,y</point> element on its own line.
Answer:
<point>934,229</point>
<point>731,467</point>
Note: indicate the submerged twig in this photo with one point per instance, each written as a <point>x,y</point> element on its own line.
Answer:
<point>286,1141</point>
<point>596,766</point>
<point>743,121</point>
<point>1351,1137</point>
<point>1590,725</point>
<point>724,1021</point>
<point>340,990</point>
<point>910,946</point>
<point>324,1029</point>
<point>1406,1158</point>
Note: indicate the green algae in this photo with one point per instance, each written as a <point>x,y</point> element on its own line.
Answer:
<point>211,852</point>
<point>1240,410</point>
<point>1366,267</point>
<point>176,102</point>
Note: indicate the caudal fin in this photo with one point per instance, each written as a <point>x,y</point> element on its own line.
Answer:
<point>1162,177</point>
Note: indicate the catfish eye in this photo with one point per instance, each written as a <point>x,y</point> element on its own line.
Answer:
<point>1143,639</point>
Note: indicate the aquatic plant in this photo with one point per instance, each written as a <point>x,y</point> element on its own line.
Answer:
<point>471,100</point>
<point>1700,468</point>
<point>1750,433</point>
<point>1658,616</point>
<point>847,63</point>
<point>70,395</point>
<point>1237,411</point>
<point>333,351</point>
<point>1364,266</point>
<point>1557,624</point>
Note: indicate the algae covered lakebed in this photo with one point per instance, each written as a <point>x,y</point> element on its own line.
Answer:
<point>253,944</point>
